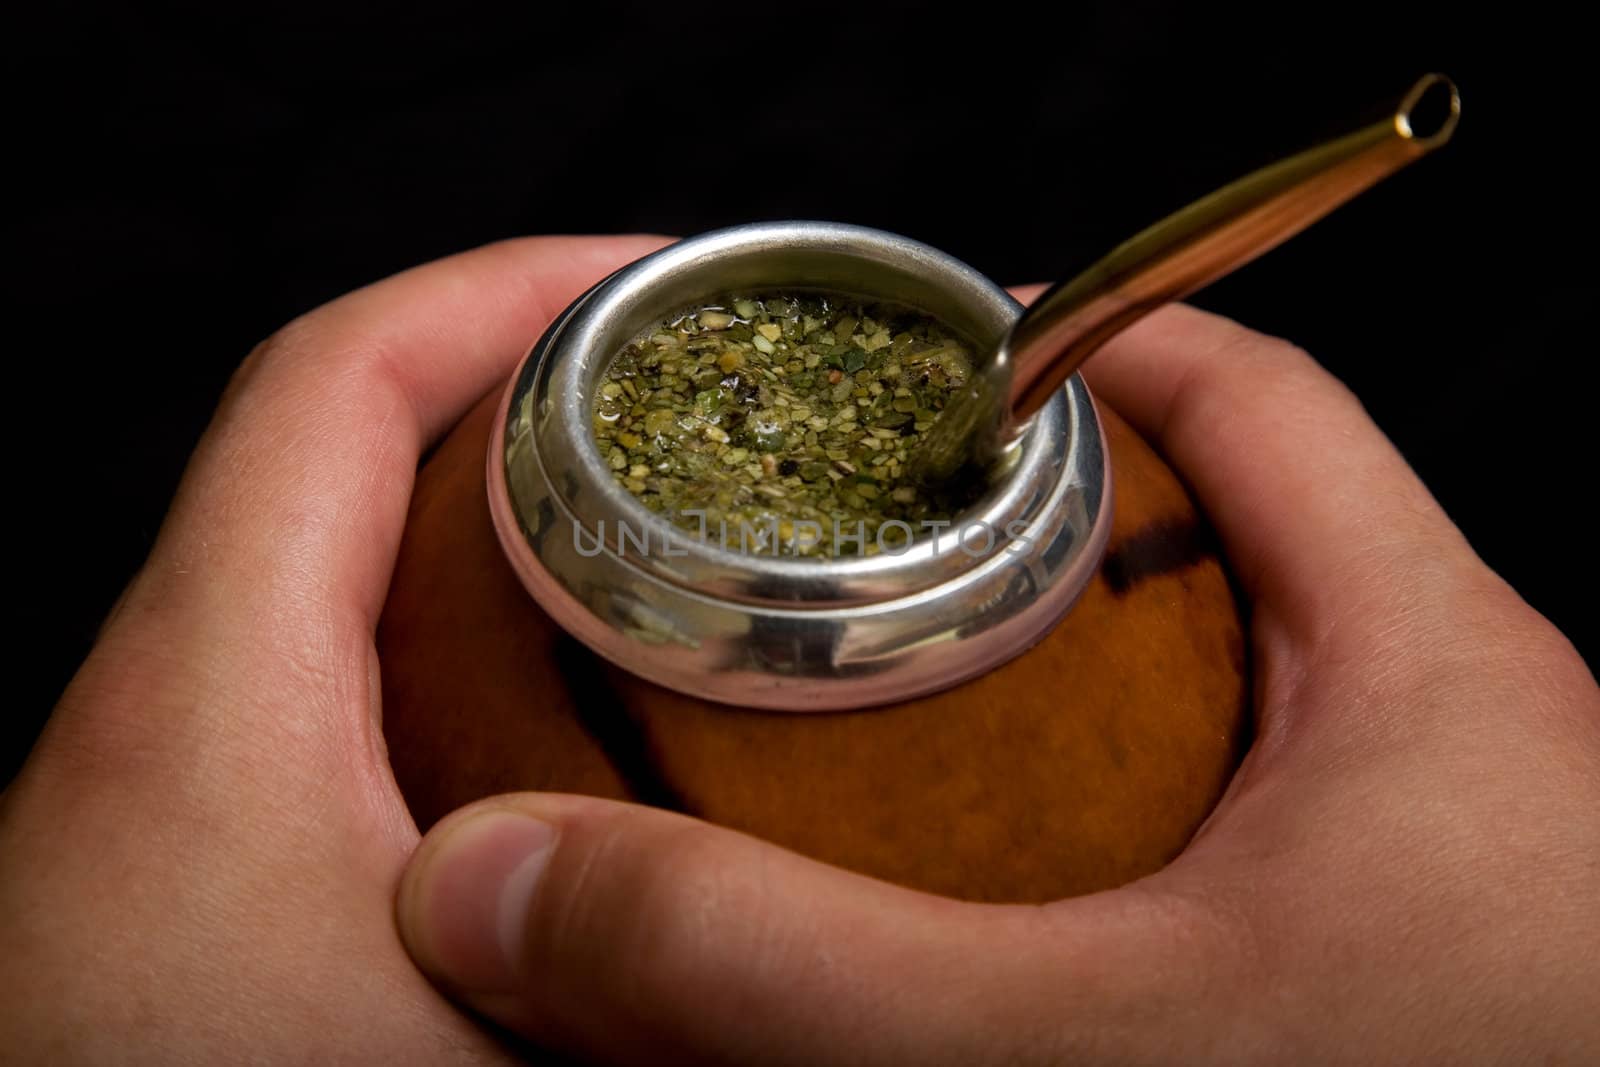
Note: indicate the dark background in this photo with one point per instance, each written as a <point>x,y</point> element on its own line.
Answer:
<point>196,177</point>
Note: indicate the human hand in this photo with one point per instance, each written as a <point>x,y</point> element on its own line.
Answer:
<point>198,861</point>
<point>1406,867</point>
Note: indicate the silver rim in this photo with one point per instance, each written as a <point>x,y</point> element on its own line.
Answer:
<point>772,632</point>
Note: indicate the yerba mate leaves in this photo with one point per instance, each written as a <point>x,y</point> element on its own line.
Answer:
<point>790,412</point>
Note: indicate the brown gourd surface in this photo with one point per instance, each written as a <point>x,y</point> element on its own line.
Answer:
<point>1087,762</point>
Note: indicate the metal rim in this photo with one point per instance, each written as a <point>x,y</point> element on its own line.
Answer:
<point>783,633</point>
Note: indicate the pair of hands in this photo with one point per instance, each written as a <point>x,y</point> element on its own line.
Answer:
<point>200,860</point>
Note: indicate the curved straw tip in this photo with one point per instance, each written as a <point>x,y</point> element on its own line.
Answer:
<point>1428,113</point>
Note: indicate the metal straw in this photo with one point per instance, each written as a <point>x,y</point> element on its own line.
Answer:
<point>1182,253</point>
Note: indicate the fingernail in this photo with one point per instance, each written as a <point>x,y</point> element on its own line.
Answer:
<point>464,904</point>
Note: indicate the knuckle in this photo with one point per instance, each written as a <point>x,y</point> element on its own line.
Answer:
<point>696,900</point>
<point>293,338</point>
<point>322,339</point>
<point>670,899</point>
<point>1244,371</point>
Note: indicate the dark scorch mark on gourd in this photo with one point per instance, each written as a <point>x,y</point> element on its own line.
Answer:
<point>604,717</point>
<point>1164,546</point>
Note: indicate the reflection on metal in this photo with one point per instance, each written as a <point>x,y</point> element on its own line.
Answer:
<point>780,632</point>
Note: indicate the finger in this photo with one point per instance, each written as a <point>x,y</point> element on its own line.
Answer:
<point>252,620</point>
<point>1321,517</point>
<point>299,489</point>
<point>630,934</point>
<point>277,551</point>
<point>1371,615</point>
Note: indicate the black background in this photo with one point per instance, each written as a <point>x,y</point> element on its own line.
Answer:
<point>196,176</point>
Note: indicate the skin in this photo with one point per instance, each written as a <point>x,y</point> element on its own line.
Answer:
<point>201,859</point>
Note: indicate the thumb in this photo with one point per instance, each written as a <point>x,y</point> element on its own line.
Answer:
<point>629,934</point>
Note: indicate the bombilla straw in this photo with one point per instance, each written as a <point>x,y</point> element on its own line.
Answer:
<point>1178,255</point>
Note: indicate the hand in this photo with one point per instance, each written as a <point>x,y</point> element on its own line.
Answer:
<point>198,861</point>
<point>198,857</point>
<point>1406,867</point>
